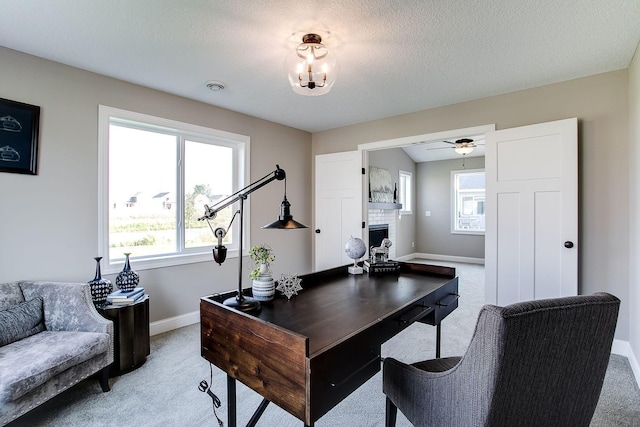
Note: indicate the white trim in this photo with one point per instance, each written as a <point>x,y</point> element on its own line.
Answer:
<point>166,325</point>
<point>435,136</point>
<point>436,257</point>
<point>623,348</point>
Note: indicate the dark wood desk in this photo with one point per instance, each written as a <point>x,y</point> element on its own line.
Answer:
<point>308,353</point>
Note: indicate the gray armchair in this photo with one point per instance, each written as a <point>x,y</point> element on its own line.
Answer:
<point>51,337</point>
<point>536,363</point>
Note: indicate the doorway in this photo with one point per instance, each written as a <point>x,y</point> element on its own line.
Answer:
<point>407,227</point>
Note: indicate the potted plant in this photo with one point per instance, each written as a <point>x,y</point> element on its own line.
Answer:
<point>263,283</point>
<point>261,255</point>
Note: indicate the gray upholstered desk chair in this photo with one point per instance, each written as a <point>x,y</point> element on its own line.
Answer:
<point>537,363</point>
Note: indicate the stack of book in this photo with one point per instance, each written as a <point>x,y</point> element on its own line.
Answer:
<point>381,267</point>
<point>125,298</point>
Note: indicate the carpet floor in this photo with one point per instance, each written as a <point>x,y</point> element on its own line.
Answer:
<point>164,391</point>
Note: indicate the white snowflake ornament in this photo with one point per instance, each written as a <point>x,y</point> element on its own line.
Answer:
<point>289,285</point>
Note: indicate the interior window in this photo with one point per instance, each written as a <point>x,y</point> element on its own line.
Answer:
<point>468,201</point>
<point>405,192</point>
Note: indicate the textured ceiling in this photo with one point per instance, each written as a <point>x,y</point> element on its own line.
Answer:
<point>395,57</point>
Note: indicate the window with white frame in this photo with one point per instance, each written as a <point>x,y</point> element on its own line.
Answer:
<point>156,175</point>
<point>405,192</point>
<point>468,201</point>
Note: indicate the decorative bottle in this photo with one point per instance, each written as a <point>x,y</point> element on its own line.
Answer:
<point>127,279</point>
<point>395,193</point>
<point>100,287</point>
<point>264,288</point>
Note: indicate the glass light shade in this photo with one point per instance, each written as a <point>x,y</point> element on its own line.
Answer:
<point>465,149</point>
<point>312,68</point>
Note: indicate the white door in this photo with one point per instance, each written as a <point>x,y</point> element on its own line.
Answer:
<point>531,240</point>
<point>338,206</point>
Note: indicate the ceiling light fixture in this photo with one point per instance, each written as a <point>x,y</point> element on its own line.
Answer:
<point>464,146</point>
<point>311,67</point>
<point>464,149</point>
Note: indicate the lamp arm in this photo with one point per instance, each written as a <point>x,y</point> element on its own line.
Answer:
<point>211,212</point>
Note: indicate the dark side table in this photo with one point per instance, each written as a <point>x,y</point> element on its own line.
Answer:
<point>131,335</point>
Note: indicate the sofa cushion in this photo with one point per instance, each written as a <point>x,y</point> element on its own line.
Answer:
<point>21,321</point>
<point>48,354</point>
<point>10,295</point>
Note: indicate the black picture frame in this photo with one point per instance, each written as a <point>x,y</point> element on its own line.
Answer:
<point>19,127</point>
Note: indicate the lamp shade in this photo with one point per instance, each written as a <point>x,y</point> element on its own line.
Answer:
<point>285,220</point>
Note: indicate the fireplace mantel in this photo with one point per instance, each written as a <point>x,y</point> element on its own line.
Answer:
<point>385,206</point>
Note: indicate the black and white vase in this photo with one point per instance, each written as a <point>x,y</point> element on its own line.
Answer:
<point>127,279</point>
<point>263,288</point>
<point>100,287</point>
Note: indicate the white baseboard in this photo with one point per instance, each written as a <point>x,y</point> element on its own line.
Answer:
<point>623,348</point>
<point>437,257</point>
<point>166,325</point>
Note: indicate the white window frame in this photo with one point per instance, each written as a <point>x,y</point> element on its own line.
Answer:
<point>195,133</point>
<point>405,193</point>
<point>454,207</point>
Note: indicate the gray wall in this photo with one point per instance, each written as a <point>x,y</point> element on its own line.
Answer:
<point>433,183</point>
<point>394,160</point>
<point>601,103</point>
<point>49,222</point>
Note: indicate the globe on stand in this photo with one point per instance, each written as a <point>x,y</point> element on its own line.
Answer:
<point>355,249</point>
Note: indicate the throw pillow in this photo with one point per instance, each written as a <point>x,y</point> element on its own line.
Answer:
<point>21,321</point>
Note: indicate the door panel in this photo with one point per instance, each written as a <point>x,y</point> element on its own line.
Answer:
<point>532,209</point>
<point>338,206</point>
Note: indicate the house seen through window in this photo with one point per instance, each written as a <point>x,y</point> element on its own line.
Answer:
<point>159,175</point>
<point>468,201</point>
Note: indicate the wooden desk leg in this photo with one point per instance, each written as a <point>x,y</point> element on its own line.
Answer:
<point>231,401</point>
<point>438,331</point>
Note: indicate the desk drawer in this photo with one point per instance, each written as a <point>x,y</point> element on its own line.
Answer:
<point>339,371</point>
<point>443,301</point>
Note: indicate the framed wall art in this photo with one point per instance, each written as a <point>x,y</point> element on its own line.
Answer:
<point>380,185</point>
<point>19,124</point>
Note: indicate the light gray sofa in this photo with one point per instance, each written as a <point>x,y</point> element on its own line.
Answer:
<point>51,337</point>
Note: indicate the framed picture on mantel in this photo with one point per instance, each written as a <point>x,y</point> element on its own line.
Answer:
<point>19,125</point>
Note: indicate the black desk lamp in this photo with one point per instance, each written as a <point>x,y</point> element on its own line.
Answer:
<point>284,221</point>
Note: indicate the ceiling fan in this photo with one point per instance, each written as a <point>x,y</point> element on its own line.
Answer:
<point>462,146</point>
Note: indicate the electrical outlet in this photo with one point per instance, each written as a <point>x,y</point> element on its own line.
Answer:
<point>413,244</point>
<point>427,213</point>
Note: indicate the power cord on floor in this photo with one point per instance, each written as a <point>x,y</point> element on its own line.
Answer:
<point>204,387</point>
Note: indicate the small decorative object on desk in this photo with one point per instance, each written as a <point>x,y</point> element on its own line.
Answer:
<point>380,253</point>
<point>127,279</point>
<point>289,285</point>
<point>381,267</point>
<point>100,287</point>
<point>263,288</point>
<point>355,249</point>
<point>121,298</point>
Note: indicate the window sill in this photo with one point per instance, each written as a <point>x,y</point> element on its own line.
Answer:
<point>470,232</point>
<point>139,264</point>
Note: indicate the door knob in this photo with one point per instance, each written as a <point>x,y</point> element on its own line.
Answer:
<point>568,244</point>
<point>317,230</point>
